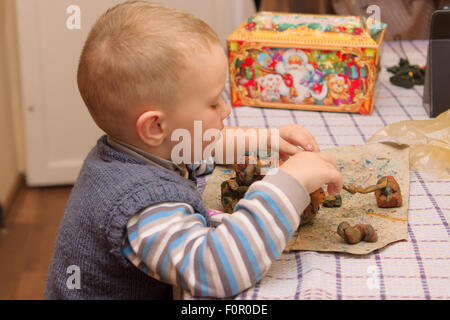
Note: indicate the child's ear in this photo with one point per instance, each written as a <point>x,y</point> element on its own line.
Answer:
<point>151,128</point>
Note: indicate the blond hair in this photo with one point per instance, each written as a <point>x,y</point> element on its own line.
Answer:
<point>133,56</point>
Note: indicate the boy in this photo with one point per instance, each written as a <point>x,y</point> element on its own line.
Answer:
<point>135,223</point>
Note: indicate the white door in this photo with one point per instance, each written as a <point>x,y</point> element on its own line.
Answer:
<point>58,129</point>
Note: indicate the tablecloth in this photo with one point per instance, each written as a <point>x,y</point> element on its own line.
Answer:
<point>415,269</point>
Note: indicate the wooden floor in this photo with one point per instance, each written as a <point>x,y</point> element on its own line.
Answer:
<point>26,242</point>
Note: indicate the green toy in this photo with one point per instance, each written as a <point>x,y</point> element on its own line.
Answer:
<point>405,74</point>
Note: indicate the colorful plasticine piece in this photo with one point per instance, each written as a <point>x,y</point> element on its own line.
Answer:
<point>317,198</point>
<point>368,232</point>
<point>234,189</point>
<point>231,193</point>
<point>390,196</point>
<point>332,201</point>
<point>355,189</point>
<point>387,192</point>
<point>249,171</point>
<point>355,234</point>
<point>350,234</point>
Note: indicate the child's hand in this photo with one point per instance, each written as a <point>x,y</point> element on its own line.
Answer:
<point>313,170</point>
<point>292,136</point>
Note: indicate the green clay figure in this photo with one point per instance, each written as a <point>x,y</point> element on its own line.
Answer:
<point>406,75</point>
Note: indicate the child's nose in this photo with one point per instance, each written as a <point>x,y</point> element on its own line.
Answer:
<point>225,111</point>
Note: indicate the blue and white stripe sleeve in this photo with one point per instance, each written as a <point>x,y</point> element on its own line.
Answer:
<point>171,243</point>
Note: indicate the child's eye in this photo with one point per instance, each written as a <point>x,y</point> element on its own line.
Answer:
<point>214,106</point>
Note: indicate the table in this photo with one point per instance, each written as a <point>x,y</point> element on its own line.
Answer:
<point>415,269</point>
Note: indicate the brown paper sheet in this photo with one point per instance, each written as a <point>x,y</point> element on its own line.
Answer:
<point>360,165</point>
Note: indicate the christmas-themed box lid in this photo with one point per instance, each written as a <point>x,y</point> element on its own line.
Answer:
<point>310,30</point>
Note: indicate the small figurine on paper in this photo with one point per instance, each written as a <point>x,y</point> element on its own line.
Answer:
<point>234,189</point>
<point>387,192</point>
<point>355,234</point>
<point>332,201</point>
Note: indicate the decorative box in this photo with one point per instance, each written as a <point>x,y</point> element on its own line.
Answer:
<point>310,62</point>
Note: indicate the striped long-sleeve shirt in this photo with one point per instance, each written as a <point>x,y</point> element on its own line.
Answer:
<point>172,243</point>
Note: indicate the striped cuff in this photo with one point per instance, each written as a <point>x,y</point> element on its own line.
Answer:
<point>293,189</point>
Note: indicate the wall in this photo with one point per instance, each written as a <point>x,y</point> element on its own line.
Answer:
<point>11,128</point>
<point>222,15</point>
<point>49,53</point>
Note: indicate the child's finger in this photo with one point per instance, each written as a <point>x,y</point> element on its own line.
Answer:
<point>303,139</point>
<point>335,182</point>
<point>288,148</point>
<point>313,146</point>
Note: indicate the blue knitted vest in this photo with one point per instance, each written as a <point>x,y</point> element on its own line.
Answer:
<point>111,187</point>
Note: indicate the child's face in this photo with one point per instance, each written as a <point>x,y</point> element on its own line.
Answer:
<point>201,99</point>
